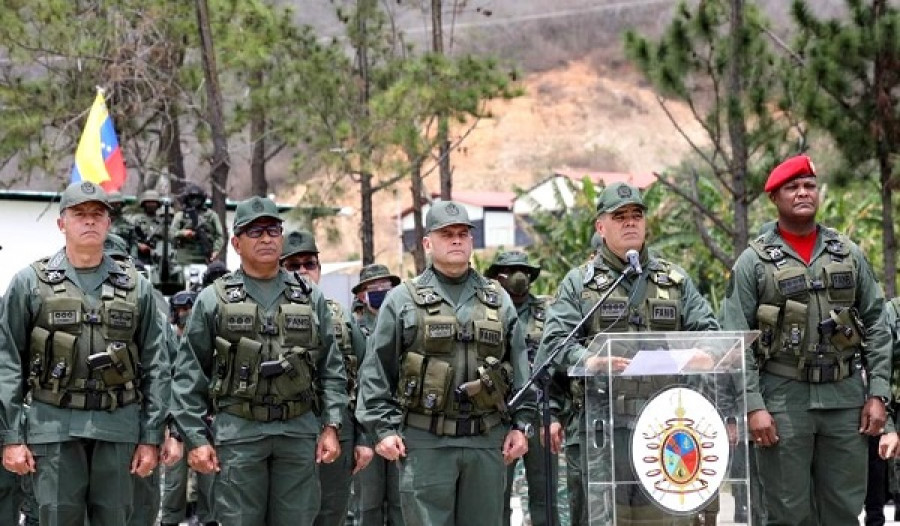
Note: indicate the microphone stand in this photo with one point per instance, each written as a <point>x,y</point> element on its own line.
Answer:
<point>540,378</point>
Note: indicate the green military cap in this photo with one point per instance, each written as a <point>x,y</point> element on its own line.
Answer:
<point>114,245</point>
<point>299,242</point>
<point>250,210</point>
<point>617,195</point>
<point>149,195</point>
<point>513,258</point>
<point>373,272</point>
<point>446,213</point>
<point>83,192</point>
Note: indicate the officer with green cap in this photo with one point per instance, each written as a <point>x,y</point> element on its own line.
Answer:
<point>516,274</point>
<point>622,224</point>
<point>301,255</point>
<point>378,486</point>
<point>818,305</point>
<point>445,355</point>
<point>259,352</point>
<point>84,344</point>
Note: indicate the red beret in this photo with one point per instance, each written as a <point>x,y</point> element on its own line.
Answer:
<point>799,166</point>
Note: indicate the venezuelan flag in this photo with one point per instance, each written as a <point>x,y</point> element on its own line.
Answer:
<point>98,158</point>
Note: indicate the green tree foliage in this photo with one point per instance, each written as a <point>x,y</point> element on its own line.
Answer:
<point>845,75</point>
<point>714,58</point>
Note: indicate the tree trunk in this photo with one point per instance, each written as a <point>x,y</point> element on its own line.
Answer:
<point>170,143</point>
<point>418,251</point>
<point>437,45</point>
<point>737,131</point>
<point>214,115</point>
<point>365,232</point>
<point>884,128</point>
<point>258,184</point>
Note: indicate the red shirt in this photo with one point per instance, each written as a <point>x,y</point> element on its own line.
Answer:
<point>802,245</point>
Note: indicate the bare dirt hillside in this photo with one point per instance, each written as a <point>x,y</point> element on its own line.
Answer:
<point>572,118</point>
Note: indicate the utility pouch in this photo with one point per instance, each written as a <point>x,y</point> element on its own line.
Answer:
<point>435,386</point>
<point>793,327</point>
<point>39,350</point>
<point>296,378</point>
<point>847,332</point>
<point>245,368</point>
<point>122,368</point>
<point>222,374</point>
<point>440,335</point>
<point>409,388</point>
<point>489,338</point>
<point>611,316</point>
<point>792,283</point>
<point>840,283</point>
<point>120,323</point>
<point>663,314</point>
<point>299,326</point>
<point>64,314</point>
<point>767,321</point>
<point>62,359</point>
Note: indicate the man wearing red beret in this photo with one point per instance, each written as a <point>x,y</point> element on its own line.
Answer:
<point>813,296</point>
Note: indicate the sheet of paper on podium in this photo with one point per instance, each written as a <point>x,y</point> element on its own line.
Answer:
<point>658,361</point>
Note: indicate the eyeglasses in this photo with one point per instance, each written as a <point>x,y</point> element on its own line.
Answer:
<point>294,266</point>
<point>255,232</point>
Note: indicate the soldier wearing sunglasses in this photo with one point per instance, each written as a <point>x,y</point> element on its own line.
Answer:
<point>271,373</point>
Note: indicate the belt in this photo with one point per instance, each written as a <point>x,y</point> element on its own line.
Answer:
<point>442,425</point>
<point>87,400</point>
<point>268,412</point>
<point>814,373</point>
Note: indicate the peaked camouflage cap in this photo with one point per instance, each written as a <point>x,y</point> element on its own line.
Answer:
<point>249,210</point>
<point>83,192</point>
<point>446,213</point>
<point>299,242</point>
<point>149,195</point>
<point>514,259</point>
<point>617,195</point>
<point>374,272</point>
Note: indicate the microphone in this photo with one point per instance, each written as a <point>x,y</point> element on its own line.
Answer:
<point>634,261</point>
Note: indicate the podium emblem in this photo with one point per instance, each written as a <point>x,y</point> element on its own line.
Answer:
<point>680,450</point>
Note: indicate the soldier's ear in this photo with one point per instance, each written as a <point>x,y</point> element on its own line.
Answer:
<point>426,242</point>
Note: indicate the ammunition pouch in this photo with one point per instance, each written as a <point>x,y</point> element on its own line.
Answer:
<point>245,368</point>
<point>222,375</point>
<point>424,385</point>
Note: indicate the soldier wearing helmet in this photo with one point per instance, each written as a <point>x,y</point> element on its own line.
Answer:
<point>149,227</point>
<point>196,230</point>
<point>121,224</point>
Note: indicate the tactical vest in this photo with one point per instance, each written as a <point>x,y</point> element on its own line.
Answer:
<point>345,344</point>
<point>83,357</point>
<point>452,378</point>
<point>809,328</point>
<point>264,365</point>
<point>535,328</point>
<point>659,310</point>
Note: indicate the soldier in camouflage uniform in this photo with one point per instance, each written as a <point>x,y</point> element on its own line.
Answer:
<point>196,230</point>
<point>148,227</point>
<point>95,417</point>
<point>622,223</point>
<point>516,274</point>
<point>814,297</point>
<point>259,350</point>
<point>121,224</point>
<point>445,354</point>
<point>378,486</point>
<point>301,255</point>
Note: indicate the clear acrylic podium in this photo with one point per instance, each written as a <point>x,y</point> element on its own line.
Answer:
<point>664,429</point>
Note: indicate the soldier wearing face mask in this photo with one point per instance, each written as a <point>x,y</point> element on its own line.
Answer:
<point>378,486</point>
<point>516,274</point>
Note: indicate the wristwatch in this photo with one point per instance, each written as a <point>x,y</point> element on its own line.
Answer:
<point>526,429</point>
